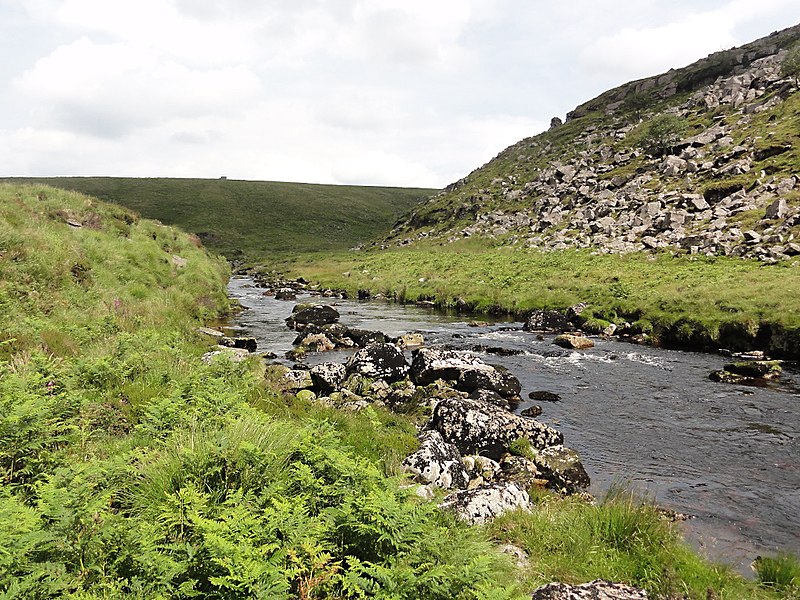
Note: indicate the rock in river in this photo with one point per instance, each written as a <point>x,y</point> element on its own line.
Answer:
<point>314,314</point>
<point>575,342</point>
<point>379,361</point>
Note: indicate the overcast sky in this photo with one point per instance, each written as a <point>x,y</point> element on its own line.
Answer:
<point>373,92</point>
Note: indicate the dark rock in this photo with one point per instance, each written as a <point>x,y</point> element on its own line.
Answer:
<point>484,504</point>
<point>437,462</point>
<point>477,427</point>
<point>313,314</point>
<point>575,311</point>
<point>285,294</point>
<point>379,361</point>
<point>562,468</point>
<point>543,396</point>
<point>594,590</point>
<point>328,377</point>
<point>520,470</point>
<point>531,411</point>
<point>551,321</point>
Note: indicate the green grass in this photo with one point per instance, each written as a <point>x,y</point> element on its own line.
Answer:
<point>253,220</point>
<point>701,301</point>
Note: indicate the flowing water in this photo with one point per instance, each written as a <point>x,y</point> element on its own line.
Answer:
<point>648,417</point>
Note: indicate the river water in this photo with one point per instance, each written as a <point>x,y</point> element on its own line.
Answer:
<point>647,417</point>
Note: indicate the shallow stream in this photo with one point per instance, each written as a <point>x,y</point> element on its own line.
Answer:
<point>726,454</point>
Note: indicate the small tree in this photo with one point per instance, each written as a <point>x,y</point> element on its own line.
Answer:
<point>636,103</point>
<point>662,133</point>
<point>790,67</point>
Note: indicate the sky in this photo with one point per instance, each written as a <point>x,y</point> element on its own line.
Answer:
<point>412,93</point>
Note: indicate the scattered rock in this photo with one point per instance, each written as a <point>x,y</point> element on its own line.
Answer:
<point>549,321</point>
<point>410,340</point>
<point>543,396</point>
<point>328,377</point>
<point>312,314</point>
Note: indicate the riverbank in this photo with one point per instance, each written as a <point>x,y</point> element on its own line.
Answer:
<point>702,303</point>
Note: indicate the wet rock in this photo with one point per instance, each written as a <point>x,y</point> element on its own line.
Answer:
<point>531,411</point>
<point>313,314</point>
<point>551,321</point>
<point>430,364</point>
<point>477,427</point>
<point>594,590</point>
<point>491,397</point>
<point>563,469</point>
<point>437,462</point>
<point>379,361</point>
<point>285,294</point>
<point>543,396</point>
<point>328,377</point>
<point>484,504</point>
<point>575,342</point>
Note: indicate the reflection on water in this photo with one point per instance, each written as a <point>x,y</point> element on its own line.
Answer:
<point>727,454</point>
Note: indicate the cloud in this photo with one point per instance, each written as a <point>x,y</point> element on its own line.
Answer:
<point>108,89</point>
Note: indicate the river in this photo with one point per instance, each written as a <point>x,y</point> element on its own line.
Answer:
<point>647,417</point>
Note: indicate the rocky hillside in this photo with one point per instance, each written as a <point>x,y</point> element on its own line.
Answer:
<point>702,160</point>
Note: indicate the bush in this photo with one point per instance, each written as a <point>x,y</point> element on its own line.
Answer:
<point>662,133</point>
<point>790,67</point>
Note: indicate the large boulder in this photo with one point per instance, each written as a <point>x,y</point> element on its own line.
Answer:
<point>551,321</point>
<point>562,468</point>
<point>311,314</point>
<point>437,462</point>
<point>477,427</point>
<point>364,337</point>
<point>328,377</point>
<point>430,364</point>
<point>484,504</point>
<point>379,361</point>
<point>594,590</point>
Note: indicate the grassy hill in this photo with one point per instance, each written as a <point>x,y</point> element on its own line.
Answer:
<point>253,220</point>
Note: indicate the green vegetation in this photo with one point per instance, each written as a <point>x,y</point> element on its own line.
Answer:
<point>790,67</point>
<point>698,301</point>
<point>661,133</point>
<point>254,220</point>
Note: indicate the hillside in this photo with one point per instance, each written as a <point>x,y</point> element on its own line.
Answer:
<point>252,220</point>
<point>700,160</point>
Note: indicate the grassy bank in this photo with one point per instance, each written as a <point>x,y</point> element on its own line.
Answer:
<point>707,302</point>
<point>253,220</point>
<point>130,468</point>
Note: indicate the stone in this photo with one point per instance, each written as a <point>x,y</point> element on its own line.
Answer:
<point>777,209</point>
<point>766,369</point>
<point>751,236</point>
<point>314,314</point>
<point>563,469</point>
<point>481,505</point>
<point>306,396</point>
<point>245,343</point>
<point>672,166</point>
<point>365,337</point>
<point>574,342</point>
<point>297,379</point>
<point>437,462</point>
<point>477,427</point>
<point>488,377</point>
<point>410,340</point>
<point>328,377</point>
<point>379,361</point>
<point>490,397</point>
<point>594,590</point>
<point>233,354</point>
<point>532,411</point>
<point>430,364</point>
<point>520,470</point>
<point>547,321</point>
<point>285,294</point>
<point>695,202</point>
<point>317,342</point>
